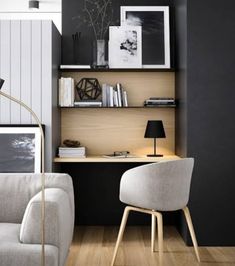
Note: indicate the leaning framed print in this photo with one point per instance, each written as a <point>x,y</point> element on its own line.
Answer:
<point>155,33</point>
<point>125,47</point>
<point>20,149</point>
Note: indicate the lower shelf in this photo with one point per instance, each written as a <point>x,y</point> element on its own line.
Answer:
<point>91,159</point>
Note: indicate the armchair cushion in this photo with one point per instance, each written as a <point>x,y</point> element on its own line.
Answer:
<point>58,221</point>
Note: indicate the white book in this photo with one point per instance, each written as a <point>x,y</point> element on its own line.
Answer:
<point>62,92</point>
<point>73,93</point>
<point>59,93</point>
<point>72,156</point>
<point>111,96</point>
<point>75,66</point>
<point>72,148</point>
<point>115,98</point>
<point>125,101</point>
<point>119,95</point>
<point>104,98</point>
<point>69,91</point>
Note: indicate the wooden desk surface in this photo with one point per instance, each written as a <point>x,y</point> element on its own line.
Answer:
<point>100,159</point>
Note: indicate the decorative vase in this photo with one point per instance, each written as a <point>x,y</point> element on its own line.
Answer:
<point>99,48</point>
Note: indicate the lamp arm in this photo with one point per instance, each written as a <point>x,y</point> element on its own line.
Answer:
<point>42,171</point>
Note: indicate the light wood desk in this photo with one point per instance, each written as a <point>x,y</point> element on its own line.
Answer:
<point>100,159</point>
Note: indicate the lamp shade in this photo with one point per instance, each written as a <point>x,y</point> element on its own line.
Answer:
<point>33,4</point>
<point>154,129</point>
<point>1,82</point>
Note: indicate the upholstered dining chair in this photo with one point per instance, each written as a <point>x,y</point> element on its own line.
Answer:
<point>154,188</point>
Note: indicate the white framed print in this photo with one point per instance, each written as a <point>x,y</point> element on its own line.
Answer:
<point>125,47</point>
<point>20,149</point>
<point>154,21</point>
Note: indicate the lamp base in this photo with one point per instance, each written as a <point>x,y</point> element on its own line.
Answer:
<point>155,155</point>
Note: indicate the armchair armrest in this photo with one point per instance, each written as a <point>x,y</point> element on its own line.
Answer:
<point>58,220</point>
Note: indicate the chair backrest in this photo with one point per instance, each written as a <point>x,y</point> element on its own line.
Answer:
<point>162,186</point>
<point>16,190</point>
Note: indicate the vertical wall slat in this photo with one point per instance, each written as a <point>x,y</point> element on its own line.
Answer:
<point>5,70</point>
<point>47,84</point>
<point>15,70</point>
<point>36,67</point>
<point>26,69</point>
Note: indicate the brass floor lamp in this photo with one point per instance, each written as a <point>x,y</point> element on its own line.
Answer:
<point>42,168</point>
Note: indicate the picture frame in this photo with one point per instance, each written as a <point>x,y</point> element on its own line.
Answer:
<point>125,47</point>
<point>20,149</point>
<point>155,32</point>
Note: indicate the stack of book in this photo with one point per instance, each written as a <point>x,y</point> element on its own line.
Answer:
<point>114,96</point>
<point>67,152</point>
<point>66,92</point>
<point>88,103</point>
<point>159,102</point>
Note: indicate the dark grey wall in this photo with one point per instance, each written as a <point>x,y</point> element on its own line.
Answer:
<point>210,128</point>
<point>181,89</point>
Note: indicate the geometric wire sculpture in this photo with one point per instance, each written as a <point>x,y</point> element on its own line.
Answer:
<point>88,89</point>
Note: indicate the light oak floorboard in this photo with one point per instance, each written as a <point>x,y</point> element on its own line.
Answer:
<point>94,246</point>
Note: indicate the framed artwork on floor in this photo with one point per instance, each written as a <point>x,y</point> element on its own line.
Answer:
<point>125,47</point>
<point>20,150</point>
<point>154,21</point>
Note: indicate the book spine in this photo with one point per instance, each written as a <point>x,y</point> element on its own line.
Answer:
<point>111,96</point>
<point>104,100</point>
<point>59,93</point>
<point>125,99</point>
<point>66,90</point>
<point>119,95</point>
<point>115,96</point>
<point>62,91</point>
<point>73,93</point>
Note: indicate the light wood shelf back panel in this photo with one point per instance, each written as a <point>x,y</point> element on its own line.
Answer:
<point>104,131</point>
<point>139,85</point>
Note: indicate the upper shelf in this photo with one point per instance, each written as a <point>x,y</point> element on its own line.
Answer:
<point>77,69</point>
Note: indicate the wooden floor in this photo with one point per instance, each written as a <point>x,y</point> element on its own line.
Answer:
<point>93,246</point>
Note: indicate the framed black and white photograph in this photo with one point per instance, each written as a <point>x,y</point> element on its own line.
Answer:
<point>154,21</point>
<point>20,150</point>
<point>125,47</point>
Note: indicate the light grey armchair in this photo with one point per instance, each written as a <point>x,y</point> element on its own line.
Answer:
<point>20,219</point>
<point>157,187</point>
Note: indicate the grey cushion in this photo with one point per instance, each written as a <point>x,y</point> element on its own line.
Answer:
<point>162,186</point>
<point>14,253</point>
<point>58,221</point>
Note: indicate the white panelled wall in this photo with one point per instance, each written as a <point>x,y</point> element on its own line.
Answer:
<point>29,62</point>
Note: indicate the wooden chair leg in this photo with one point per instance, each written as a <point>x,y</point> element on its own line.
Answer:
<point>153,232</point>
<point>120,233</point>
<point>160,234</point>
<point>191,230</point>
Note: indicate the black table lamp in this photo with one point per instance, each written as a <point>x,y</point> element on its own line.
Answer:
<point>154,129</point>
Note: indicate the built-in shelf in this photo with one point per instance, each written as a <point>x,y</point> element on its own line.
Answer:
<point>129,107</point>
<point>117,69</point>
<point>101,159</point>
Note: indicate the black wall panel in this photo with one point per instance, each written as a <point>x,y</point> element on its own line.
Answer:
<point>208,76</point>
